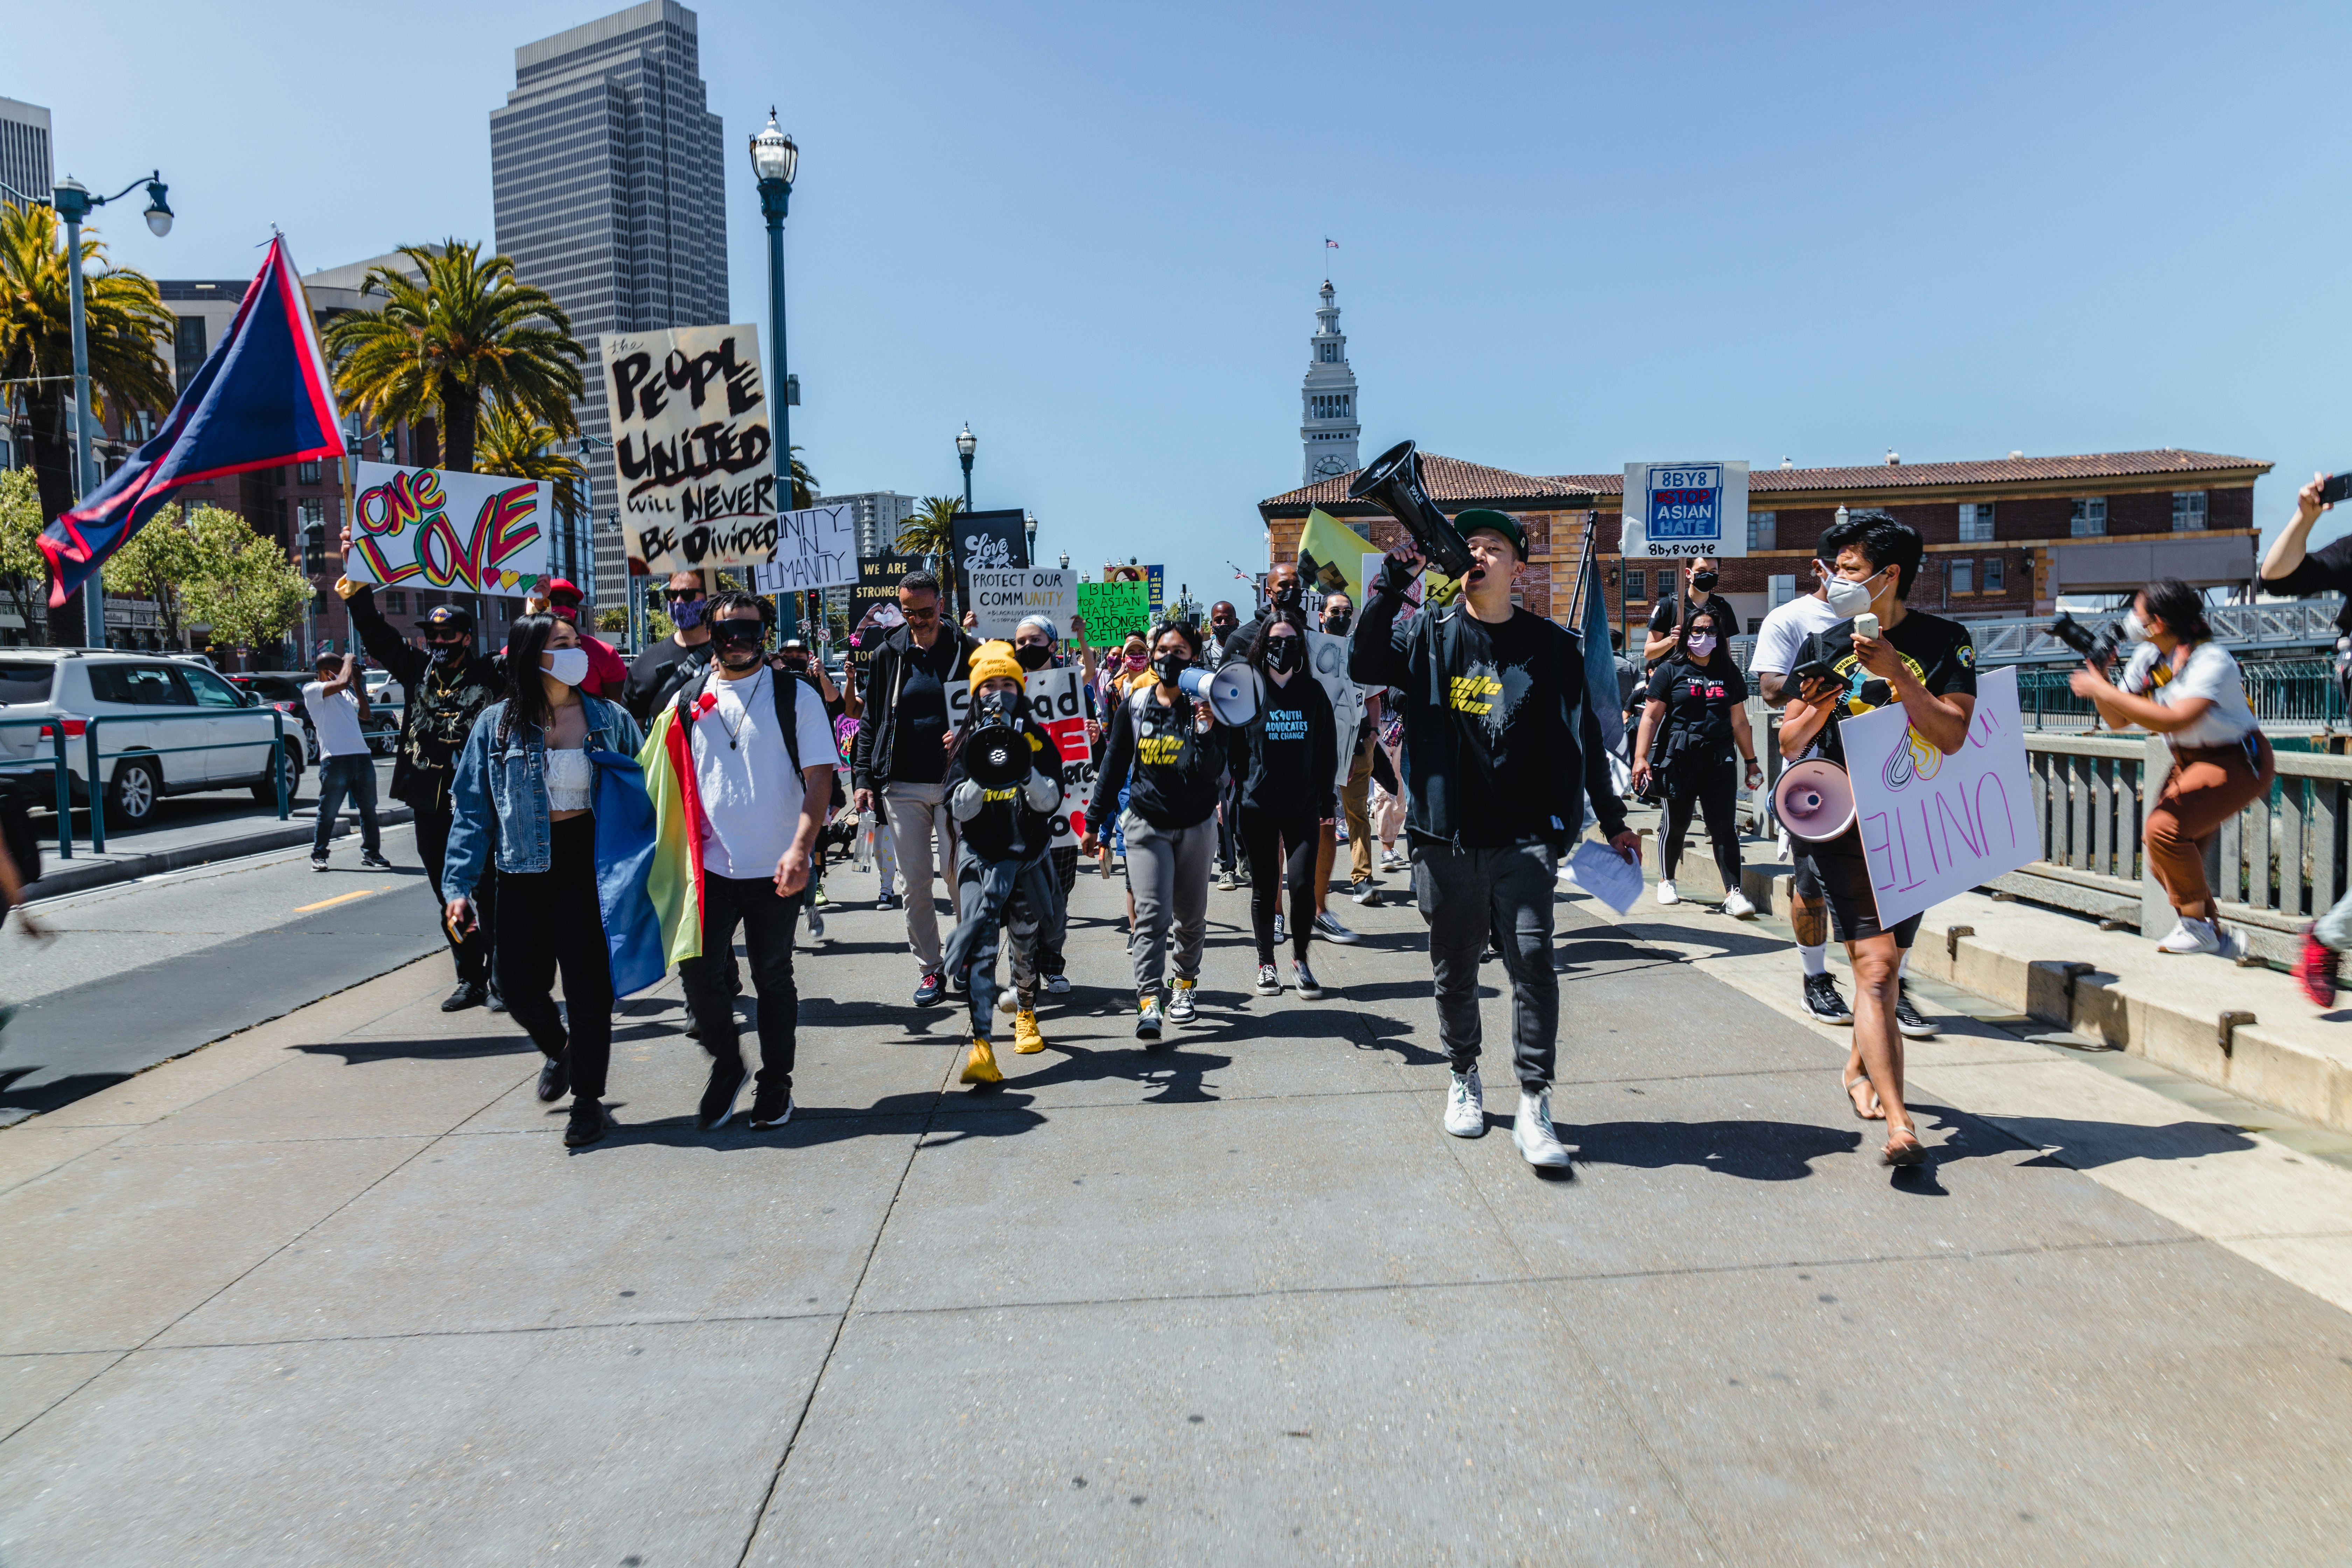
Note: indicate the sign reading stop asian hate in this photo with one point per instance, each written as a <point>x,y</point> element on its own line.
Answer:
<point>475,533</point>
<point>695,461</point>
<point>1686,509</point>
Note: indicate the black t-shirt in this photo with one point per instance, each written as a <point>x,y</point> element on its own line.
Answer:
<point>2324,571</point>
<point>1699,701</point>
<point>1666,615</point>
<point>919,754</point>
<point>1293,756</point>
<point>1503,702</point>
<point>1938,651</point>
<point>658,673</point>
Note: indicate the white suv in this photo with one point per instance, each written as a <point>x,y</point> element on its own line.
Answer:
<point>224,727</point>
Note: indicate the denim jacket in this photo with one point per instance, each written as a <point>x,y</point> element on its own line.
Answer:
<point>500,793</point>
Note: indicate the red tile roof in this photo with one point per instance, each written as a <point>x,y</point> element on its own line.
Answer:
<point>1994,471</point>
<point>1450,479</point>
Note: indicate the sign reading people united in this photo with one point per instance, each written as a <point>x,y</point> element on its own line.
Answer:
<point>1686,509</point>
<point>475,533</point>
<point>690,444</point>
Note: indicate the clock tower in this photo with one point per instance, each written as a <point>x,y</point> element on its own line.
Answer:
<point>1328,398</point>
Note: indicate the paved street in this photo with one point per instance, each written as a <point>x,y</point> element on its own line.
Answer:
<point>331,1290</point>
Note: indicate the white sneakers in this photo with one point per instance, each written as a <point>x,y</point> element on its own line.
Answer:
<point>1736,904</point>
<point>1465,1106</point>
<point>1532,1133</point>
<point>2199,936</point>
<point>1666,894</point>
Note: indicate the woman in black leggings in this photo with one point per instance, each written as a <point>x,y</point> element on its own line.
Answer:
<point>1288,789</point>
<point>1695,715</point>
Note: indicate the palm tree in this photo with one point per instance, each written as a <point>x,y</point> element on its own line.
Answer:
<point>461,329</point>
<point>931,530</point>
<point>123,315</point>
<point>517,443</point>
<point>805,484</point>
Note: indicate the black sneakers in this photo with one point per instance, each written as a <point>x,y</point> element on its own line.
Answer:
<point>470,993</point>
<point>1907,1016</point>
<point>554,1078</point>
<point>494,1002</point>
<point>933,989</point>
<point>771,1108</point>
<point>718,1095</point>
<point>1823,1000</point>
<point>588,1124</point>
<point>374,861</point>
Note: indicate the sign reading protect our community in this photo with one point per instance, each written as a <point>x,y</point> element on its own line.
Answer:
<point>476,533</point>
<point>1686,509</point>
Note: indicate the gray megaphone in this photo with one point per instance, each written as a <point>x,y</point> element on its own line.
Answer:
<point>1231,693</point>
<point>1814,801</point>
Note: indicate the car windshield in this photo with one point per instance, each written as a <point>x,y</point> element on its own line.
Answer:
<point>26,681</point>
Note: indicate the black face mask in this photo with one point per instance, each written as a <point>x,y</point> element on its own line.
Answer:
<point>1169,666</point>
<point>1283,653</point>
<point>1336,623</point>
<point>1225,629</point>
<point>996,708</point>
<point>1289,594</point>
<point>447,652</point>
<point>1704,582</point>
<point>1032,654</point>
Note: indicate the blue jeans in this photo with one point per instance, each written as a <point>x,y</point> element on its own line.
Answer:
<point>338,777</point>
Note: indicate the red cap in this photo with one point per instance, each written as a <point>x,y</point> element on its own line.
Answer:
<point>562,591</point>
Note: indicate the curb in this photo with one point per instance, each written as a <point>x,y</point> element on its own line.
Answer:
<point>63,876</point>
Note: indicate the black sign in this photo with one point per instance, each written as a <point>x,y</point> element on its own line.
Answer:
<point>992,540</point>
<point>877,584</point>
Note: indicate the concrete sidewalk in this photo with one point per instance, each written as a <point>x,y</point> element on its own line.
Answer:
<point>331,1290</point>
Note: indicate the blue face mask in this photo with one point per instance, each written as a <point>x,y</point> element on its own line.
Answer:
<point>688,614</point>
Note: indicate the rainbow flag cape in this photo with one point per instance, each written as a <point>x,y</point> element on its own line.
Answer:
<point>674,883</point>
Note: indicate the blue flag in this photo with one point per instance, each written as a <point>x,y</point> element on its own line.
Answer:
<point>1600,660</point>
<point>262,399</point>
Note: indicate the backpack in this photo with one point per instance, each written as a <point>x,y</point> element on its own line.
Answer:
<point>787,691</point>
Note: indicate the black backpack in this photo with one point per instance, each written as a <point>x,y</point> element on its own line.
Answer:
<point>787,691</point>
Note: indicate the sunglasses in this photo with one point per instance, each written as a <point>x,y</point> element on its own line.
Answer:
<point>676,596</point>
<point>930,614</point>
<point>747,630</point>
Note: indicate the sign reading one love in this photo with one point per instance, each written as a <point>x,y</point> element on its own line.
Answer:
<point>1933,825</point>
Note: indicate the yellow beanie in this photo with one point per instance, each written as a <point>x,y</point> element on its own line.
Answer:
<point>995,659</point>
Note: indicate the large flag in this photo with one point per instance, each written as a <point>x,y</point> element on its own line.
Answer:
<point>1331,556</point>
<point>261,399</point>
<point>674,881</point>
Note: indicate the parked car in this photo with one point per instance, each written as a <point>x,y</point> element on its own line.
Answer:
<point>283,691</point>
<point>214,736</point>
<point>384,692</point>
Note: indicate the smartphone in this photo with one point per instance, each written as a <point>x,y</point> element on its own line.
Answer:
<point>1865,625</point>
<point>2336,487</point>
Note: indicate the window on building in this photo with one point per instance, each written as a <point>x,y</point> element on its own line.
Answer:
<point>395,601</point>
<point>1778,590</point>
<point>2089,517</point>
<point>307,473</point>
<point>1975,523</point>
<point>188,349</point>
<point>1992,574</point>
<point>2188,511</point>
<point>1964,577</point>
<point>1635,588</point>
<point>1762,527</point>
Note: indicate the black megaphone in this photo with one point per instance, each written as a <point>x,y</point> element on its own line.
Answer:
<point>995,756</point>
<point>1392,483</point>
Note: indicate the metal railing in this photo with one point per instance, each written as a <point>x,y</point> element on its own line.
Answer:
<point>2283,626</point>
<point>54,729</point>
<point>93,756</point>
<point>2285,693</point>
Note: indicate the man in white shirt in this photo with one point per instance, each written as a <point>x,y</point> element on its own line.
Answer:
<point>1784,631</point>
<point>761,817</point>
<point>337,701</point>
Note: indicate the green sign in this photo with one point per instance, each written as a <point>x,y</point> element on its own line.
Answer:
<point>1114,609</point>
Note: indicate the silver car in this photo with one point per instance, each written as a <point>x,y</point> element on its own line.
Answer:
<point>212,735</point>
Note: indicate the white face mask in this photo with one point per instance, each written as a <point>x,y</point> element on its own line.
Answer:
<point>2135,629</point>
<point>1849,599</point>
<point>1703,646</point>
<point>568,665</point>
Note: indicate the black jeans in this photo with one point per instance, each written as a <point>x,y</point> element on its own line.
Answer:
<point>1057,929</point>
<point>1229,837</point>
<point>767,919</point>
<point>1464,894</point>
<point>550,920</point>
<point>353,777</point>
<point>473,952</point>
<point>1714,793</point>
<point>1263,836</point>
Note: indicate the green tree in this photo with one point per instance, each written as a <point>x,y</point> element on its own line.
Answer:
<point>929,529</point>
<point>464,331</point>
<point>24,570</point>
<point>805,484</point>
<point>157,563</point>
<point>245,588</point>
<point>517,443</point>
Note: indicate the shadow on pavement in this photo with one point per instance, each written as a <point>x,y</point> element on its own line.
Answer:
<point>1751,1150</point>
<point>2070,1144</point>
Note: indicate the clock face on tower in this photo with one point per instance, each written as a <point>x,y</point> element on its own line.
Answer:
<point>1329,466</point>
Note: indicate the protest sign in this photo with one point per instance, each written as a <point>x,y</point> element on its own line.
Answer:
<point>990,541</point>
<point>1156,579</point>
<point>1932,825</point>
<point>1004,599</point>
<point>1327,653</point>
<point>1057,700</point>
<point>1114,609</point>
<point>877,585</point>
<point>1686,509</point>
<point>478,533</point>
<point>816,548</point>
<point>692,447</point>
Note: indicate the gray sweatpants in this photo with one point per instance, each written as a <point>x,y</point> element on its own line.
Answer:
<point>1464,894</point>
<point>919,833</point>
<point>1020,927</point>
<point>1168,872</point>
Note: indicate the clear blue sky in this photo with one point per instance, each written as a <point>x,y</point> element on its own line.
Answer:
<point>1571,236</point>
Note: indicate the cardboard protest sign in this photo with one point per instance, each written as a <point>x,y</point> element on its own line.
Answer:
<point>1686,509</point>
<point>1932,825</point>
<point>816,548</point>
<point>478,533</point>
<point>1057,699</point>
<point>990,541</point>
<point>877,586</point>
<point>691,447</point>
<point>1004,599</point>
<point>1114,609</point>
<point>1326,655</point>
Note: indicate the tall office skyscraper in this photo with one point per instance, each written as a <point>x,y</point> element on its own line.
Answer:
<point>24,160</point>
<point>610,189</point>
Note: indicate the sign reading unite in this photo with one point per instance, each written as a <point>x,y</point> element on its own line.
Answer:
<point>691,447</point>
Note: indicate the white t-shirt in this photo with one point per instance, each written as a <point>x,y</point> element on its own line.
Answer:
<point>1784,631</point>
<point>337,719</point>
<point>2211,672</point>
<point>751,795</point>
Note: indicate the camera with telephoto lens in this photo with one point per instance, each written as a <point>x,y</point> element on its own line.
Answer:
<point>2098,647</point>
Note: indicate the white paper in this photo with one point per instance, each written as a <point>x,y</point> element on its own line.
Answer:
<point>1605,874</point>
<point>816,547</point>
<point>692,450</point>
<point>1004,597</point>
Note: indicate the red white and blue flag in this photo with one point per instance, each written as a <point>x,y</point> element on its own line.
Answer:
<point>261,399</point>
<point>1330,244</point>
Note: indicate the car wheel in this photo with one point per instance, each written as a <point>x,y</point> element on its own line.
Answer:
<point>264,788</point>
<point>132,796</point>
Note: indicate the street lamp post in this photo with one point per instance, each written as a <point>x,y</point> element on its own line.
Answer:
<point>1029,526</point>
<point>774,161</point>
<point>965,443</point>
<point>73,203</point>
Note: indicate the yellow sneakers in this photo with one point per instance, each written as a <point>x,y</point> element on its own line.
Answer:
<point>1026,1039</point>
<point>980,1066</point>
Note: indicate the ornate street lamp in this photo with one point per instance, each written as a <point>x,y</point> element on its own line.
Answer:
<point>775,159</point>
<point>965,443</point>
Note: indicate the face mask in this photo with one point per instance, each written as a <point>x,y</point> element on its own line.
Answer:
<point>1033,655</point>
<point>568,665</point>
<point>1169,666</point>
<point>996,708</point>
<point>1225,629</point>
<point>1337,623</point>
<point>2135,629</point>
<point>1289,593</point>
<point>1137,660</point>
<point>687,615</point>
<point>447,652</point>
<point>1704,582</point>
<point>1282,654</point>
<point>1703,646</point>
<point>1847,599</point>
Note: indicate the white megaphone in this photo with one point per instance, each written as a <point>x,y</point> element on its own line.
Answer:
<point>1814,801</point>
<point>1231,693</point>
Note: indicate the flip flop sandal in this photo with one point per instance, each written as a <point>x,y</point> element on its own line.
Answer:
<point>1904,1155</point>
<point>1860,1114</point>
